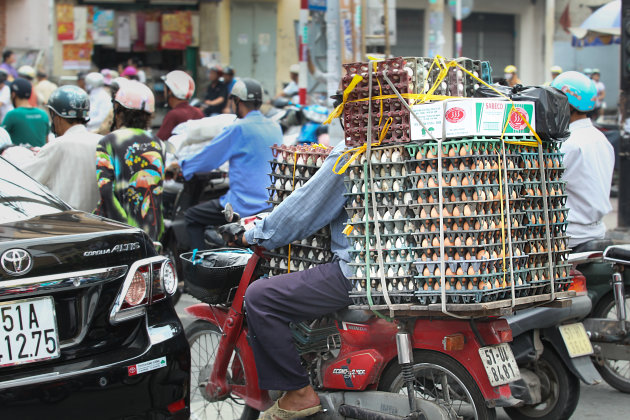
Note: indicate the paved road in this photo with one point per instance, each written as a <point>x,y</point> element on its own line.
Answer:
<point>595,401</point>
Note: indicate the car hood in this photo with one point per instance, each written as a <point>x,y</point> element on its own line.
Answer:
<point>71,241</point>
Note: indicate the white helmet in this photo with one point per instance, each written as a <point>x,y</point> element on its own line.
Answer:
<point>94,80</point>
<point>27,72</point>
<point>180,84</point>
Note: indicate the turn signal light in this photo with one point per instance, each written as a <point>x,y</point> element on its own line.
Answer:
<point>578,285</point>
<point>454,342</point>
<point>137,291</point>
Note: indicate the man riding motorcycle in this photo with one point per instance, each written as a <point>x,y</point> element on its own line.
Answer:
<point>246,144</point>
<point>589,160</point>
<point>274,302</point>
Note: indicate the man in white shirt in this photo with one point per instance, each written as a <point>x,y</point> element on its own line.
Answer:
<point>5,95</point>
<point>601,88</point>
<point>66,166</point>
<point>589,160</point>
<point>100,100</point>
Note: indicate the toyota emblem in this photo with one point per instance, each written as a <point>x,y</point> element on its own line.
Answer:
<point>16,261</point>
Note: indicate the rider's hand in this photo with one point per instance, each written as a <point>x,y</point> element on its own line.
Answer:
<point>234,235</point>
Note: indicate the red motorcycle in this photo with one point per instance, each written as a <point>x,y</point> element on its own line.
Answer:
<point>362,367</point>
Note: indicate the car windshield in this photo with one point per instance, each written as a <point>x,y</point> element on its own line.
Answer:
<point>23,198</point>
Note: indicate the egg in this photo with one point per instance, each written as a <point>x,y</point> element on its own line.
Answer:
<point>465,181</point>
<point>420,183</point>
<point>434,212</point>
<point>456,212</point>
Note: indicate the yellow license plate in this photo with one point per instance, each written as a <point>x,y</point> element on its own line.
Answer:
<point>576,340</point>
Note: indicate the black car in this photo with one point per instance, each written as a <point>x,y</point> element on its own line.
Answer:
<point>87,326</point>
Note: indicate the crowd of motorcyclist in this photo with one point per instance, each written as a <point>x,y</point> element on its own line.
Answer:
<point>108,119</point>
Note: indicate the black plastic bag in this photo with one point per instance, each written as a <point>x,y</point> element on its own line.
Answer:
<point>552,107</point>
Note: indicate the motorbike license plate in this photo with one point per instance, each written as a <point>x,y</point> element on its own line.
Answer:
<point>28,331</point>
<point>576,340</point>
<point>500,364</point>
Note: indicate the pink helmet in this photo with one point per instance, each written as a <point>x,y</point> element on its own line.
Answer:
<point>130,71</point>
<point>135,95</point>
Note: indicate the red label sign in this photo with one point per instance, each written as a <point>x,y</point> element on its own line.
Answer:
<point>131,370</point>
<point>455,115</point>
<point>517,119</point>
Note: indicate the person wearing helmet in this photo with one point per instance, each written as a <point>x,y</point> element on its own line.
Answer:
<point>69,108</point>
<point>246,144</point>
<point>100,100</point>
<point>28,73</point>
<point>555,72</point>
<point>216,95</point>
<point>510,76</point>
<point>179,89</point>
<point>601,90</point>
<point>5,95</point>
<point>589,160</point>
<point>25,124</point>
<point>228,80</point>
<point>43,88</point>
<point>107,126</point>
<point>130,163</point>
<point>291,89</point>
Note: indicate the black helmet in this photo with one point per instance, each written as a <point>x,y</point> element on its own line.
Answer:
<point>228,70</point>
<point>3,76</point>
<point>70,102</point>
<point>248,90</point>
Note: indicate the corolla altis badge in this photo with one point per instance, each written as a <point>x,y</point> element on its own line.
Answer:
<point>16,262</point>
<point>117,248</point>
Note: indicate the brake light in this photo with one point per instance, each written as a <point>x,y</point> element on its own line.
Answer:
<point>137,291</point>
<point>505,336</point>
<point>454,342</point>
<point>147,281</point>
<point>578,284</point>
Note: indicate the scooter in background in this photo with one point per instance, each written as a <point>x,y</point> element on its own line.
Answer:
<point>607,281</point>
<point>553,352</point>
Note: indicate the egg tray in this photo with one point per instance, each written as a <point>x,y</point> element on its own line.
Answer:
<point>395,270</point>
<point>283,168</point>
<point>486,162</point>
<point>360,298</point>
<point>471,296</point>
<point>492,265</point>
<point>286,154</point>
<point>462,179</point>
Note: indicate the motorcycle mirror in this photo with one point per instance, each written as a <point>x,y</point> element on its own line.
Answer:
<point>230,215</point>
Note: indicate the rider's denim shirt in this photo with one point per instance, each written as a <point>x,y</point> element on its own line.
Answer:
<point>247,145</point>
<point>317,203</point>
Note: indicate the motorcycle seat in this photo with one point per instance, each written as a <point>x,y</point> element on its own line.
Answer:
<point>352,315</point>
<point>594,245</point>
<point>618,253</point>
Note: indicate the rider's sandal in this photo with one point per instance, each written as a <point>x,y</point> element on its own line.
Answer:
<point>277,413</point>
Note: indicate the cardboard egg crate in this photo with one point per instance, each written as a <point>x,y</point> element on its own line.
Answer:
<point>291,168</point>
<point>407,198</point>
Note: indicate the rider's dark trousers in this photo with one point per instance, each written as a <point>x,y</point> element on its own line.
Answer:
<point>208,213</point>
<point>273,302</point>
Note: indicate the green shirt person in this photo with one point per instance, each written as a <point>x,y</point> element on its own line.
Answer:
<point>26,125</point>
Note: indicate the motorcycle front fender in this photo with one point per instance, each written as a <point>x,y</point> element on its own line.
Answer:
<point>581,366</point>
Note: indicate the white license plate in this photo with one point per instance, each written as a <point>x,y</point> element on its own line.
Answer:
<point>500,364</point>
<point>576,340</point>
<point>28,331</point>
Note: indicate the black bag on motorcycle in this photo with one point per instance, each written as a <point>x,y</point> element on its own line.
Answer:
<point>552,107</point>
<point>211,275</point>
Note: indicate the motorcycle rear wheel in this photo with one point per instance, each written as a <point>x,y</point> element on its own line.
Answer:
<point>615,372</point>
<point>560,389</point>
<point>464,399</point>
<point>203,338</point>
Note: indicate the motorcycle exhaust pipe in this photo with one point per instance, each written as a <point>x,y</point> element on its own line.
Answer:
<point>359,413</point>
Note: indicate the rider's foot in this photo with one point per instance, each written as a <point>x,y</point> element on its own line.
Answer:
<point>299,399</point>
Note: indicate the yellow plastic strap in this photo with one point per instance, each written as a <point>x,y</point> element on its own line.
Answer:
<point>356,79</point>
<point>357,151</point>
<point>347,230</point>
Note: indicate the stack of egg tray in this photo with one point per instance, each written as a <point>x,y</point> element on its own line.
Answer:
<point>409,75</point>
<point>305,160</point>
<point>406,188</point>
